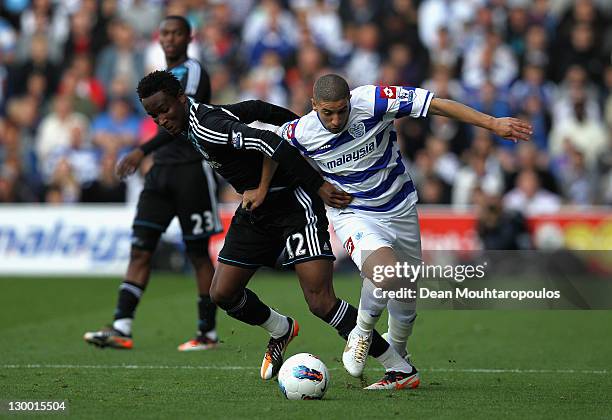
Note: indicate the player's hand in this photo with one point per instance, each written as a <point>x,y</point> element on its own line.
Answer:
<point>512,129</point>
<point>251,199</point>
<point>333,197</point>
<point>129,163</point>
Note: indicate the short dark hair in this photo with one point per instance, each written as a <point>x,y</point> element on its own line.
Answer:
<point>181,19</point>
<point>331,88</point>
<point>159,81</point>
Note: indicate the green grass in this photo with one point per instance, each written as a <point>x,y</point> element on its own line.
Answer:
<point>557,354</point>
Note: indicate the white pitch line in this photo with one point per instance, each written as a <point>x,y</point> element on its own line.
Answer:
<point>254,368</point>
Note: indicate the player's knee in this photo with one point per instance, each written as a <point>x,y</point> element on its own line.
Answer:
<point>222,296</point>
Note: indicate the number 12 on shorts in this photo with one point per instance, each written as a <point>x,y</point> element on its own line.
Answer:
<point>295,245</point>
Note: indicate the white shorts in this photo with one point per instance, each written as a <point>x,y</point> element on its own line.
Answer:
<point>361,234</point>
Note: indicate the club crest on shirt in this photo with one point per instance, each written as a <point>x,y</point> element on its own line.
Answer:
<point>237,140</point>
<point>349,246</point>
<point>289,130</point>
<point>357,130</point>
<point>406,95</point>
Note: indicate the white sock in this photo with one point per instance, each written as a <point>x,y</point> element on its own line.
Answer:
<point>398,335</point>
<point>277,325</point>
<point>123,325</point>
<point>212,335</point>
<point>366,322</point>
<point>401,322</point>
<point>393,361</point>
<point>370,308</point>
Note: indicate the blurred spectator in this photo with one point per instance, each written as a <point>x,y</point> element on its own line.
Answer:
<point>325,26</point>
<point>444,52</point>
<point>116,129</point>
<point>362,67</point>
<point>121,58</point>
<point>493,61</point>
<point>268,27</point>
<point>82,158</point>
<point>582,24</point>
<point>529,198</point>
<point>47,19</point>
<point>518,21</point>
<point>23,114</point>
<point>87,86</point>
<point>107,188</point>
<point>56,130</point>
<point>433,190</point>
<point>80,39</point>
<point>577,180</point>
<point>14,187</point>
<point>536,48</point>
<point>477,176</point>
<point>359,12</point>
<point>576,87</point>
<point>446,163</point>
<point>219,46</point>
<point>142,16</point>
<point>71,87</point>
<point>265,80</point>
<point>224,90</point>
<point>53,195</point>
<point>442,13</point>
<point>411,70</point>
<point>582,51</point>
<point>585,134</point>
<point>528,158</point>
<point>500,229</point>
<point>38,61</point>
<point>63,179</point>
<point>532,83</point>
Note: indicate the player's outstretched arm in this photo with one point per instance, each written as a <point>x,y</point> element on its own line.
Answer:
<point>251,199</point>
<point>508,128</point>
<point>130,162</point>
<point>256,110</point>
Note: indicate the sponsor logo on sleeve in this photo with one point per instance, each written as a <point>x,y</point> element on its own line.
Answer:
<point>406,95</point>
<point>237,140</point>
<point>388,92</point>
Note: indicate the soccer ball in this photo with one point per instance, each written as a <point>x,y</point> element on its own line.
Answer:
<point>303,377</point>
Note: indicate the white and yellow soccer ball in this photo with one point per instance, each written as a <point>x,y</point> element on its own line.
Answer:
<point>303,377</point>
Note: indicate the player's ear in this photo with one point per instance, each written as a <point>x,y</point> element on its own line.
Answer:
<point>314,103</point>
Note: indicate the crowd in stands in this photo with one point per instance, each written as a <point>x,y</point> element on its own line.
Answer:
<point>68,71</point>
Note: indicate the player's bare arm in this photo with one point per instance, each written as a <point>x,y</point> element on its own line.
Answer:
<point>130,162</point>
<point>508,128</point>
<point>251,199</point>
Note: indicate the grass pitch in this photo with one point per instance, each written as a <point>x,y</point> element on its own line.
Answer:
<point>474,364</point>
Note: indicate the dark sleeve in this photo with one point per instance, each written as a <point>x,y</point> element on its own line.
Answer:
<point>256,110</point>
<point>162,138</point>
<point>241,136</point>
